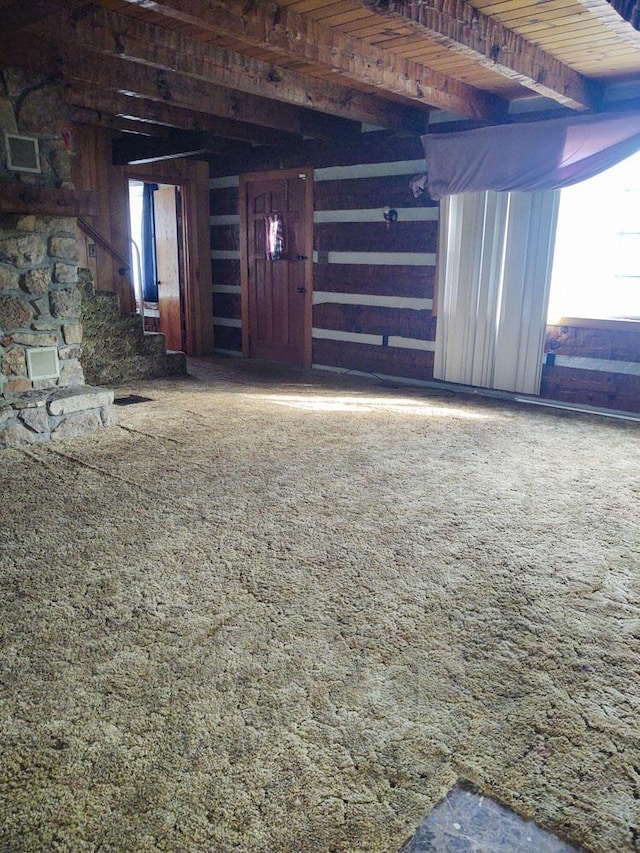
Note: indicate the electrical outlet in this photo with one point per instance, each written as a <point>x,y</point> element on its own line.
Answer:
<point>91,250</point>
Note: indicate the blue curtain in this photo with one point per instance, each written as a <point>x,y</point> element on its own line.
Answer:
<point>149,265</point>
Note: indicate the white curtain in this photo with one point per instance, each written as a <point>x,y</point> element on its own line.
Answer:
<point>494,271</point>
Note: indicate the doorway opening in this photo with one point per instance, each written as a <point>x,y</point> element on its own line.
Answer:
<point>158,258</point>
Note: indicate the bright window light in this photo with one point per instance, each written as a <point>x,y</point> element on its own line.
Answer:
<point>596,265</point>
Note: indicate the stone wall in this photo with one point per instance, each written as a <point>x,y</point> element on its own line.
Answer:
<point>40,302</point>
<point>39,299</point>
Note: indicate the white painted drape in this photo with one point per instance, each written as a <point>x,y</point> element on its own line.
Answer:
<point>494,270</point>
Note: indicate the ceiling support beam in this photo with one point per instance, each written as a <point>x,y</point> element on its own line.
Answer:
<point>159,47</point>
<point>111,74</point>
<point>294,36</point>
<point>157,116</point>
<point>132,149</point>
<point>19,15</point>
<point>620,16</point>
<point>458,26</point>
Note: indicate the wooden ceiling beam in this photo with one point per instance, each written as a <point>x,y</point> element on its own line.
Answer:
<point>20,15</point>
<point>160,47</point>
<point>112,74</point>
<point>458,26</point>
<point>80,115</point>
<point>615,19</point>
<point>156,115</point>
<point>132,149</point>
<point>296,36</point>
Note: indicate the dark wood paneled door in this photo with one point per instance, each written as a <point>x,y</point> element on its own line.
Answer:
<point>276,301</point>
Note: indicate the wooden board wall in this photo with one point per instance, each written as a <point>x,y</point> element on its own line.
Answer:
<point>93,170</point>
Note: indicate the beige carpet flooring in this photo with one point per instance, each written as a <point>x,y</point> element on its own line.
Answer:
<point>283,612</point>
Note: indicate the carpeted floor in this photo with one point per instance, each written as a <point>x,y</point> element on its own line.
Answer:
<point>283,612</point>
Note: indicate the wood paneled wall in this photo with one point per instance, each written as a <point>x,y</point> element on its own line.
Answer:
<point>373,284</point>
<point>93,170</point>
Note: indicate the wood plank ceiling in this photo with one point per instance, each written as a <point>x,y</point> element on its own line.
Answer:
<point>196,76</point>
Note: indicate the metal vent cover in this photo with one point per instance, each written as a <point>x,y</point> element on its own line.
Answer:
<point>23,153</point>
<point>42,363</point>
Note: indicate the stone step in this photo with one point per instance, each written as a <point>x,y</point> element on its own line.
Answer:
<point>116,348</point>
<point>155,343</point>
<point>41,415</point>
<point>176,363</point>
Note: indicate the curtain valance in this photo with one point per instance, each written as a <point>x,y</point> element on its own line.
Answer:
<point>527,157</point>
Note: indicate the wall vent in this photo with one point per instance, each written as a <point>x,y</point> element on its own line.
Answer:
<point>23,154</point>
<point>42,363</point>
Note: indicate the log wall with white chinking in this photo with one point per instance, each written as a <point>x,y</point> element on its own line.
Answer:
<point>225,264</point>
<point>595,363</point>
<point>372,284</point>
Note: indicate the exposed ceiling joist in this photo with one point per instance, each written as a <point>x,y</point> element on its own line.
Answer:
<point>457,25</point>
<point>618,16</point>
<point>162,115</point>
<point>133,149</point>
<point>159,47</point>
<point>81,115</point>
<point>20,14</point>
<point>296,36</point>
<point>111,74</point>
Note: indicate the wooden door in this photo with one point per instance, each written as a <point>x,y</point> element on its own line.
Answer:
<point>276,303</point>
<point>169,303</point>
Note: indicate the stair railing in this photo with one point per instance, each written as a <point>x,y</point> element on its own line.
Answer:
<point>100,240</point>
<point>124,265</point>
<point>140,294</point>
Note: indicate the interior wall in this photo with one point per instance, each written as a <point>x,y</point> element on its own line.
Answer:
<point>39,295</point>
<point>361,316</point>
<point>594,363</point>
<point>373,285</point>
<point>193,177</point>
<point>93,170</point>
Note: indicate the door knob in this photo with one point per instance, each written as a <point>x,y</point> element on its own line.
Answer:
<point>301,257</point>
<point>301,289</point>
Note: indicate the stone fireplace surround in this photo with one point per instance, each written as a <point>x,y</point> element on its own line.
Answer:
<point>40,300</point>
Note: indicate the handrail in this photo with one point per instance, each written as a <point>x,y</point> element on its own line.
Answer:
<point>140,284</point>
<point>99,239</point>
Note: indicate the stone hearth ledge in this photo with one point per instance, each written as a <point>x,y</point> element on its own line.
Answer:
<point>52,413</point>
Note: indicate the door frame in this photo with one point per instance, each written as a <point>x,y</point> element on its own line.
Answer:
<point>306,172</point>
<point>194,200</point>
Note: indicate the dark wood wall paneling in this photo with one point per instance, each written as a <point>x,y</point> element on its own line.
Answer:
<point>575,383</point>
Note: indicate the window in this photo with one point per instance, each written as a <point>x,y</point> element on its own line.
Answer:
<point>596,265</point>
